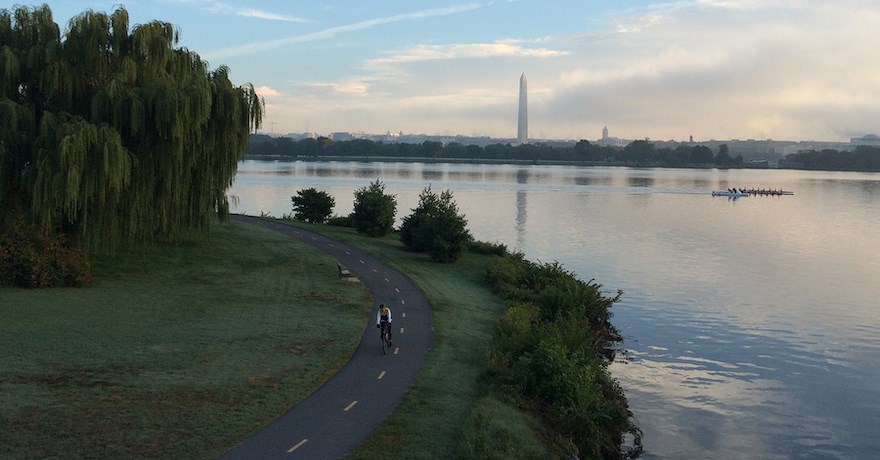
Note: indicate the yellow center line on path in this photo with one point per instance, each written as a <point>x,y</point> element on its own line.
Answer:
<point>297,446</point>
<point>331,245</point>
<point>404,314</point>
<point>381,374</point>
<point>314,238</point>
<point>397,350</point>
<point>397,290</point>
<point>375,271</point>
<point>361,261</point>
<point>402,302</point>
<point>401,330</point>
<point>387,280</point>
<point>348,407</point>
<point>348,253</point>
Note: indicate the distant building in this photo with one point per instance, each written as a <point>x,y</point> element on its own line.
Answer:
<point>522,129</point>
<point>341,136</point>
<point>609,141</point>
<point>870,139</point>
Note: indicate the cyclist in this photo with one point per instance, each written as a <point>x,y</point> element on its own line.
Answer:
<point>383,319</point>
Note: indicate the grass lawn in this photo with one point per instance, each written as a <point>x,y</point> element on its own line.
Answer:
<point>176,352</point>
<point>184,350</point>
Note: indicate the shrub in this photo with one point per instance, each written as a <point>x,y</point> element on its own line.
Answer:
<point>341,221</point>
<point>489,249</point>
<point>30,259</point>
<point>504,273</point>
<point>313,206</point>
<point>436,227</point>
<point>374,210</point>
<point>548,349</point>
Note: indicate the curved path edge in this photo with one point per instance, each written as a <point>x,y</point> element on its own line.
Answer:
<point>353,403</point>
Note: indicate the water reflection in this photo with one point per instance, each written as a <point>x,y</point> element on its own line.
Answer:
<point>431,174</point>
<point>521,214</point>
<point>640,181</point>
<point>747,386</point>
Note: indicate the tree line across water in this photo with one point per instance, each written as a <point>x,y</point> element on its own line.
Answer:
<point>637,153</point>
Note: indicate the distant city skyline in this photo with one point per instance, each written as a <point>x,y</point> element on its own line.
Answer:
<point>711,69</point>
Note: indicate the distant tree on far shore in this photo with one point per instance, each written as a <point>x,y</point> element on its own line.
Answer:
<point>863,158</point>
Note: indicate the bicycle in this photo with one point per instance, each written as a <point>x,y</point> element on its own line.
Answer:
<point>385,336</point>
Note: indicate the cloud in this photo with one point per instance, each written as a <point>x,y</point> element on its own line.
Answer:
<point>265,91</point>
<point>462,51</point>
<point>349,88</point>
<point>717,69</point>
<point>331,32</point>
<point>254,13</point>
<point>225,8</point>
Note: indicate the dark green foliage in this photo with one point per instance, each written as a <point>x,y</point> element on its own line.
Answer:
<point>341,221</point>
<point>489,249</point>
<point>864,158</point>
<point>112,135</point>
<point>641,152</point>
<point>548,350</point>
<point>313,206</point>
<point>374,210</point>
<point>436,227</point>
<point>30,259</point>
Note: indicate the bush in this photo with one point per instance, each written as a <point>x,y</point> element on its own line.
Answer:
<point>504,273</point>
<point>29,259</point>
<point>436,227</point>
<point>548,350</point>
<point>341,221</point>
<point>374,210</point>
<point>489,249</point>
<point>313,206</point>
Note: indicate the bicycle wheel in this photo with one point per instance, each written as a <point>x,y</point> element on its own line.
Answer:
<point>383,337</point>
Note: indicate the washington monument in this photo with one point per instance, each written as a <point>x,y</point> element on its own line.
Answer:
<point>522,130</point>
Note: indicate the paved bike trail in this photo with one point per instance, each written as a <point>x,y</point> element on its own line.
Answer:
<point>350,406</point>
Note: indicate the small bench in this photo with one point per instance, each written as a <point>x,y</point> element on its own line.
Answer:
<point>343,272</point>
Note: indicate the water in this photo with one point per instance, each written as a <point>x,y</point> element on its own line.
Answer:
<point>752,325</point>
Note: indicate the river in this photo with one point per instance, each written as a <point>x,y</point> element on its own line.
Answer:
<point>752,326</point>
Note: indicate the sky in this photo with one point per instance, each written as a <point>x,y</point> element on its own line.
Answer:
<point>661,70</point>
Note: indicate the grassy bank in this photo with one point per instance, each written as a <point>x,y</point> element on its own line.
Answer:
<point>185,350</point>
<point>174,352</point>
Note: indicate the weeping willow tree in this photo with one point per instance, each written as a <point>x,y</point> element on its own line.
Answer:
<point>115,134</point>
